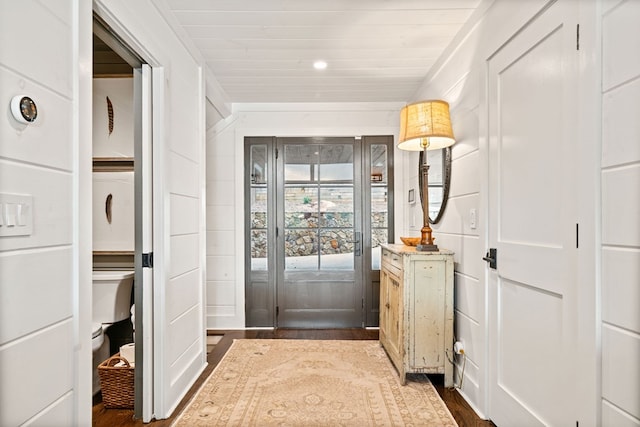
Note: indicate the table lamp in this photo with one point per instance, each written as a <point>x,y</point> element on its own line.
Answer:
<point>425,125</point>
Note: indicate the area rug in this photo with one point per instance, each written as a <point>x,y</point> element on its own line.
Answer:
<point>312,383</point>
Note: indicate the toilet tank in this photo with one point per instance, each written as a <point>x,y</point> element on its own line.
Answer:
<point>111,295</point>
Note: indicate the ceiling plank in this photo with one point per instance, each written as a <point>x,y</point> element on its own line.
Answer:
<point>314,18</point>
<point>307,5</point>
<point>263,50</point>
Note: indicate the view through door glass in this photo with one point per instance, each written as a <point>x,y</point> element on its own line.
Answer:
<point>378,201</point>
<point>309,263</point>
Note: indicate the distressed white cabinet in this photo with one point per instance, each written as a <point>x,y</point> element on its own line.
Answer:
<point>416,310</point>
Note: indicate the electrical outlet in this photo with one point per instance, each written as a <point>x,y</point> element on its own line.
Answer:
<point>458,347</point>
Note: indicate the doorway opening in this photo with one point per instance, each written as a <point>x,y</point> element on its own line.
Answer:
<point>122,219</point>
<point>316,211</point>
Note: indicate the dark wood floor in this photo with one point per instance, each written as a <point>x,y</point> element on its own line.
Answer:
<point>459,408</point>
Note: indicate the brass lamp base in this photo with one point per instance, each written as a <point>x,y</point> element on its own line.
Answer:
<point>426,239</point>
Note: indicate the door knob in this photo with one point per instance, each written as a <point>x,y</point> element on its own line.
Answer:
<point>492,258</point>
<point>357,249</point>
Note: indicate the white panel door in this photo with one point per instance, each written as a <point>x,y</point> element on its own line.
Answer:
<point>532,222</point>
<point>144,242</point>
<point>179,335</point>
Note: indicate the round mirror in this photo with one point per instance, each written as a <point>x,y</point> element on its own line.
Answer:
<point>439,162</point>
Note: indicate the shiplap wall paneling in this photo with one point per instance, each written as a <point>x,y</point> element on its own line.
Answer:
<point>185,328</point>
<point>620,213</point>
<point>42,349</point>
<point>458,82</point>
<point>223,290</point>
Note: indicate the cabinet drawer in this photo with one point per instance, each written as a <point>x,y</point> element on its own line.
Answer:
<point>392,262</point>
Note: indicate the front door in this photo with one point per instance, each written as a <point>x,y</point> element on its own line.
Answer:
<point>310,264</point>
<point>319,280</point>
<point>532,223</point>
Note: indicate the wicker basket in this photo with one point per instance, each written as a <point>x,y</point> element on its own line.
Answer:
<point>116,383</point>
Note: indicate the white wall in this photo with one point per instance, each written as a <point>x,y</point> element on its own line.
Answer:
<point>225,188</point>
<point>620,213</point>
<point>45,278</point>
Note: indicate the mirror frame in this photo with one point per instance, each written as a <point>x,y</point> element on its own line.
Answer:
<point>446,179</point>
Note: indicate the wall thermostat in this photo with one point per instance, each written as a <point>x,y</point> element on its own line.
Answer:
<point>24,109</point>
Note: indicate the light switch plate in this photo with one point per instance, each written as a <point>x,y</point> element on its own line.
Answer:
<point>472,219</point>
<point>17,215</point>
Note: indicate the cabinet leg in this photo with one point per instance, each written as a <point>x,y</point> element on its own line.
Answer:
<point>448,375</point>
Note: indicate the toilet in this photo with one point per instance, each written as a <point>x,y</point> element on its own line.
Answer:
<point>111,303</point>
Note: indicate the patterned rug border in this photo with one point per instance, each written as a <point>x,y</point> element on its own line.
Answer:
<point>206,381</point>
<point>236,343</point>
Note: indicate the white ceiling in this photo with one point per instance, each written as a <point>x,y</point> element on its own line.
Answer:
<point>376,50</point>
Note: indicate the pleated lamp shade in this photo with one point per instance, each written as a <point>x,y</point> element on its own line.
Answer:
<point>425,123</point>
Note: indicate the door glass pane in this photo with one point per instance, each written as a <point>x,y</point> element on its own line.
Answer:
<point>301,162</point>
<point>319,207</point>
<point>378,165</point>
<point>258,203</point>
<point>379,217</point>
<point>379,202</point>
<point>336,163</point>
<point>259,250</point>
<point>336,206</point>
<point>259,164</point>
<point>300,206</point>
<point>301,223</point>
<point>337,223</point>
<point>301,249</point>
<point>336,249</point>
<point>299,173</point>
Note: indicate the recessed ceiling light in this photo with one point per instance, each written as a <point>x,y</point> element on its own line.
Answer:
<point>320,65</point>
